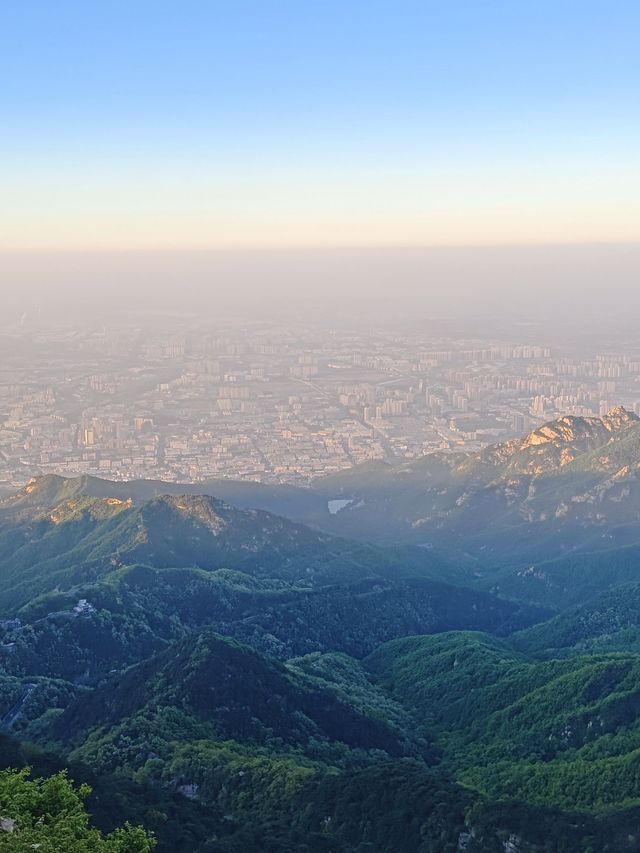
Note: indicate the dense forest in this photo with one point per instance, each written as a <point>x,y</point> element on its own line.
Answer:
<point>187,676</point>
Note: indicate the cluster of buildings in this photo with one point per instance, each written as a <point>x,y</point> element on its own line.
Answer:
<point>188,402</point>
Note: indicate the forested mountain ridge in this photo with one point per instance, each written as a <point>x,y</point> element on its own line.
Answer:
<point>85,538</point>
<point>137,610</point>
<point>521,517</point>
<point>430,741</point>
<point>560,471</point>
<point>93,584</point>
<point>50,490</point>
<point>237,681</point>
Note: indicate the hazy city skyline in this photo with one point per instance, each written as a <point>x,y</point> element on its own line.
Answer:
<point>276,240</point>
<point>187,398</point>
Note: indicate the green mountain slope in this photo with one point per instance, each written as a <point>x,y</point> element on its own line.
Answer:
<point>237,681</point>
<point>525,518</point>
<point>85,538</point>
<point>135,611</point>
<point>312,752</point>
<point>608,622</point>
<point>220,689</point>
<point>521,729</point>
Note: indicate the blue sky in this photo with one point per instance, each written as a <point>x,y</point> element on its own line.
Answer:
<point>203,124</point>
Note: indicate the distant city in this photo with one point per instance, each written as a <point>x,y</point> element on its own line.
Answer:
<point>184,401</point>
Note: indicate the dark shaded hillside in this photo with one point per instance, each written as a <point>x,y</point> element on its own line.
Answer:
<point>224,690</point>
<point>179,824</point>
<point>357,617</point>
<point>136,610</point>
<point>392,807</point>
<point>403,808</point>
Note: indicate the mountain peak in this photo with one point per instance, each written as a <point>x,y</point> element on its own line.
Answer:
<point>572,428</point>
<point>558,443</point>
<point>619,416</point>
<point>200,509</point>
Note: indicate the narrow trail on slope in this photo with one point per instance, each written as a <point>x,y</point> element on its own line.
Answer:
<point>9,719</point>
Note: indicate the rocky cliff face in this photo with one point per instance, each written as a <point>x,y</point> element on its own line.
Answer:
<point>572,485</point>
<point>556,444</point>
<point>574,471</point>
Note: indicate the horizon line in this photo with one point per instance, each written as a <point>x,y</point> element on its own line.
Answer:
<point>354,247</point>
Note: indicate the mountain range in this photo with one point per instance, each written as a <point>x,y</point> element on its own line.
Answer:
<point>441,655</point>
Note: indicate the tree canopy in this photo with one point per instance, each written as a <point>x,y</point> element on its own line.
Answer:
<point>49,815</point>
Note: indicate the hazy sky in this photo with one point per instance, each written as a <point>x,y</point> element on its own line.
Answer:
<point>244,123</point>
<point>594,288</point>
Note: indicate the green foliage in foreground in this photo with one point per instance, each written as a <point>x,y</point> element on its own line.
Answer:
<point>49,815</point>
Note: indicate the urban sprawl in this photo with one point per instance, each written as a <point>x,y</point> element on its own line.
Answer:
<point>276,405</point>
